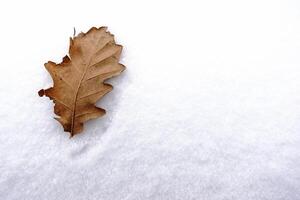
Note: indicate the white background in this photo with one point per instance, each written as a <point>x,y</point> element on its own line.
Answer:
<point>208,108</point>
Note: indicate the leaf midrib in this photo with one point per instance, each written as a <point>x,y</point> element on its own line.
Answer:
<point>78,87</point>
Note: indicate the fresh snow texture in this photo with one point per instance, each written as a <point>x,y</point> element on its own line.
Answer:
<point>208,107</point>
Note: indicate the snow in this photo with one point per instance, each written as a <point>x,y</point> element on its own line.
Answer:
<point>208,108</point>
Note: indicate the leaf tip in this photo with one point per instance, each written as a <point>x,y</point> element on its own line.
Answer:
<point>122,67</point>
<point>104,28</point>
<point>49,63</point>
<point>41,92</point>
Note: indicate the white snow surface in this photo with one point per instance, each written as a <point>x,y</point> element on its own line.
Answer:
<point>208,107</point>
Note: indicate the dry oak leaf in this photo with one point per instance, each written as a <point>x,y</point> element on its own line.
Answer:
<point>78,81</point>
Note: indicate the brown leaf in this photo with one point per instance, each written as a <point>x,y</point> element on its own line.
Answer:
<point>78,81</point>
